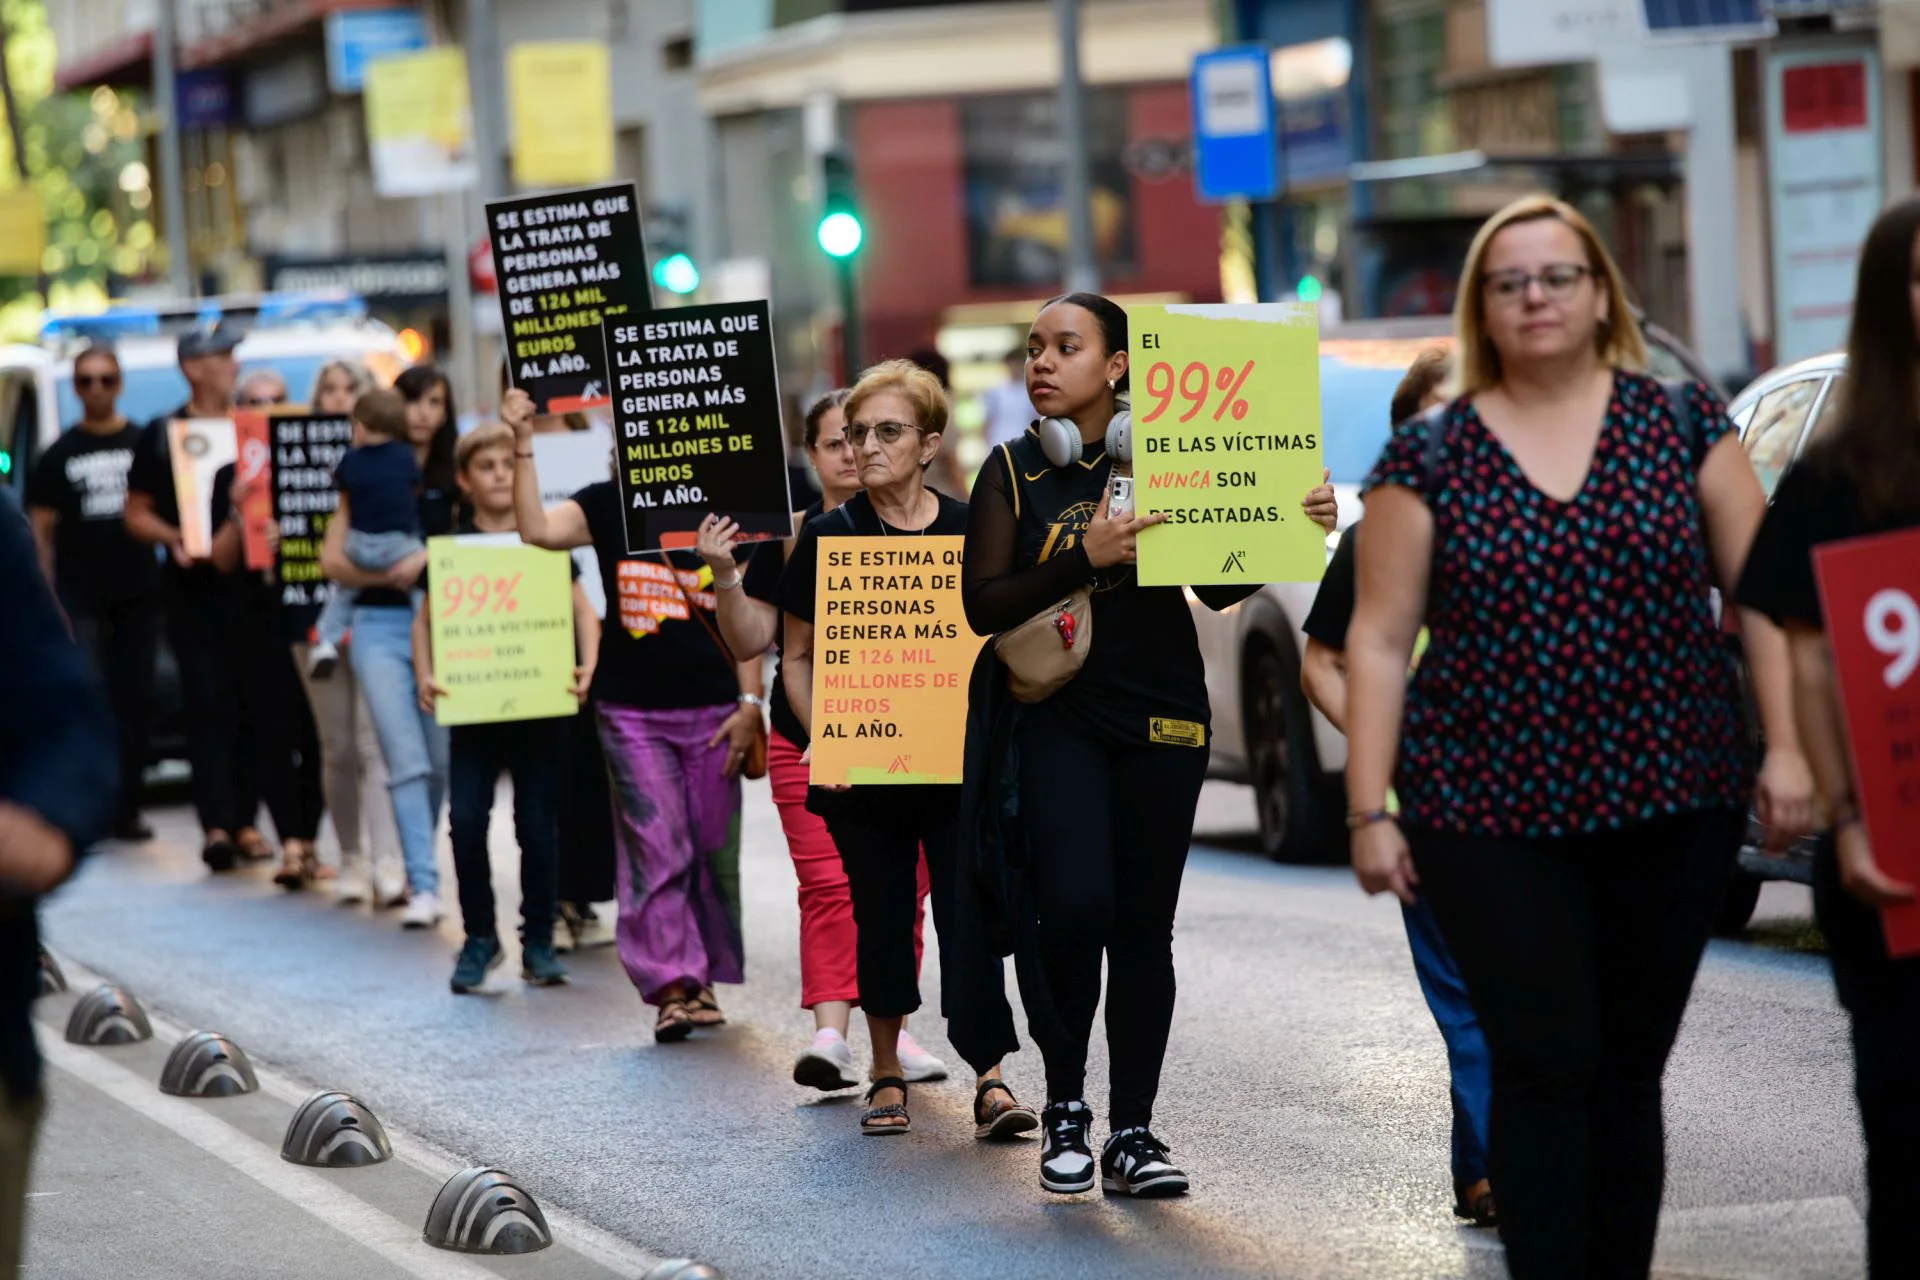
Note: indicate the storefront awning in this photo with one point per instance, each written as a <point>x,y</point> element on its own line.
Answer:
<point>1559,171</point>
<point>126,61</point>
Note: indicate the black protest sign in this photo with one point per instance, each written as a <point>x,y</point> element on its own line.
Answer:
<point>305,451</point>
<point>563,262</point>
<point>697,406</point>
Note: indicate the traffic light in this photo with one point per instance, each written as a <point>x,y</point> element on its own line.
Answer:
<point>676,274</point>
<point>839,231</point>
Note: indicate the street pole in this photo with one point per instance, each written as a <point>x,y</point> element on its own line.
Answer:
<point>173,206</point>
<point>488,96</point>
<point>1083,275</point>
<point>849,321</point>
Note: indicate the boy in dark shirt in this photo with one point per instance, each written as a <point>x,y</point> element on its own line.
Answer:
<point>531,750</point>
<point>380,481</point>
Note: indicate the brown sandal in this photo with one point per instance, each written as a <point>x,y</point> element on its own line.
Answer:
<point>884,1122</point>
<point>296,870</point>
<point>705,1010</point>
<point>674,1023</point>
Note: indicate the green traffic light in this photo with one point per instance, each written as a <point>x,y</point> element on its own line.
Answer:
<point>840,234</point>
<point>676,274</point>
<point>1309,291</point>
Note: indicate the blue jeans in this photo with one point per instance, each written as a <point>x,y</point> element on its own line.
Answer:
<point>414,746</point>
<point>373,552</point>
<point>1468,1062</point>
<point>531,750</point>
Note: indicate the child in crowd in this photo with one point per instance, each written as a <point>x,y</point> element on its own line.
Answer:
<point>381,480</point>
<point>531,750</point>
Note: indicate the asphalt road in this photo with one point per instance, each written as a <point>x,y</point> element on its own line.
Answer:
<point>1305,1092</point>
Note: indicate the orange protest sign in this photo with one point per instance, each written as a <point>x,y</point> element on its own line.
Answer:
<point>892,656</point>
<point>253,474</point>
<point>199,448</point>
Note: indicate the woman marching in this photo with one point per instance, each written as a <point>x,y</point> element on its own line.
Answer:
<point>749,617</point>
<point>678,717</point>
<point>1110,764</point>
<point>1572,749</point>
<point>1860,477</point>
<point>896,417</point>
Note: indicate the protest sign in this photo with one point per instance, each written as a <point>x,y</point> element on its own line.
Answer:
<point>564,262</point>
<point>254,470</point>
<point>560,103</point>
<point>501,618</point>
<point>892,654</point>
<point>305,451</point>
<point>420,123</point>
<point>199,448</point>
<point>697,419</point>
<point>1226,441</point>
<point>1870,594</point>
<point>569,461</point>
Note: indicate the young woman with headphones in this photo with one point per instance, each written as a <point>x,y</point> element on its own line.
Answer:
<point>1110,763</point>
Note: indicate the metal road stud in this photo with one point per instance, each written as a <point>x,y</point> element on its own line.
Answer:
<point>682,1269</point>
<point>108,1015</point>
<point>52,981</point>
<point>483,1210</point>
<point>335,1130</point>
<point>207,1065</point>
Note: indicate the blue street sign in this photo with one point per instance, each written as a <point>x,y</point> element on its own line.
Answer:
<point>1234,153</point>
<point>1703,17</point>
<point>356,37</point>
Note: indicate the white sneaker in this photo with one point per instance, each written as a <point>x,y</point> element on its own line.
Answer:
<point>321,660</point>
<point>352,888</point>
<point>916,1064</point>
<point>423,912</point>
<point>827,1064</point>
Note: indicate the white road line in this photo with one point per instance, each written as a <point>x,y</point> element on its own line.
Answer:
<point>570,1231</point>
<point>394,1241</point>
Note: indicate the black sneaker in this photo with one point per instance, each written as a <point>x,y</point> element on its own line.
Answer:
<point>540,966</point>
<point>220,855</point>
<point>1066,1155</point>
<point>478,957</point>
<point>1134,1163</point>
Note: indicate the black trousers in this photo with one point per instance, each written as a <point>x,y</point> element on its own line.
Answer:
<point>529,750</point>
<point>221,745</point>
<point>1579,955</point>
<point>1107,828</point>
<point>880,844</point>
<point>120,637</point>
<point>586,815</point>
<point>1882,1000</point>
<point>273,704</point>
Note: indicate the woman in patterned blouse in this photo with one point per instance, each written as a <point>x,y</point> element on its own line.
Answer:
<point>1571,751</point>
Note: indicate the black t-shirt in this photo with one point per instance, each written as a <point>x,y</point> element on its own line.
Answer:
<point>761,581</point>
<point>1814,505</point>
<point>1143,681</point>
<point>436,520</point>
<point>82,479</point>
<point>796,595</point>
<point>1332,611</point>
<point>654,654</point>
<point>381,482</point>
<point>151,473</point>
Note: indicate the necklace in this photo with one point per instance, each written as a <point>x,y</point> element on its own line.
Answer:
<point>886,532</point>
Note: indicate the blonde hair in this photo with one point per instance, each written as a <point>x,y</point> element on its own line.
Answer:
<point>488,435</point>
<point>921,389</point>
<point>356,374</point>
<point>1477,365</point>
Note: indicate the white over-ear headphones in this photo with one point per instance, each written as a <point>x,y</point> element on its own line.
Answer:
<point>1060,439</point>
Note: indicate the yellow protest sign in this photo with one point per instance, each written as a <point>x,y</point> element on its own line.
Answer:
<point>1226,441</point>
<point>420,123</point>
<point>560,96</point>
<point>23,232</point>
<point>892,654</point>
<point>501,616</point>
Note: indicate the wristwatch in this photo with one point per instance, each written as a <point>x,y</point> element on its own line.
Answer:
<point>752,700</point>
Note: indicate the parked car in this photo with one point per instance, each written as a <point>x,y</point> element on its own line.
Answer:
<point>1775,417</point>
<point>1265,733</point>
<point>291,333</point>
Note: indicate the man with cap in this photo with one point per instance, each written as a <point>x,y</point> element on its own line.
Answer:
<point>198,605</point>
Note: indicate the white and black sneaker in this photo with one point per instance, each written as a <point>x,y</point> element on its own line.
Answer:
<point>1134,1163</point>
<point>1066,1152</point>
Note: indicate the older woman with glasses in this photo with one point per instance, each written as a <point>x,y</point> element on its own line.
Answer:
<point>896,416</point>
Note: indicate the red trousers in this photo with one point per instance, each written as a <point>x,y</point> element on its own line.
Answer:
<point>827,965</point>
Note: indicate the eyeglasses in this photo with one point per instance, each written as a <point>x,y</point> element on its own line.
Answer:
<point>88,381</point>
<point>889,432</point>
<point>1557,282</point>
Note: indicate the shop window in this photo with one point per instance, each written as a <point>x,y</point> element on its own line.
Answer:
<point>1014,171</point>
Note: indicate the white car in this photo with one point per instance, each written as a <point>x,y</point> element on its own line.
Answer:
<point>1265,733</point>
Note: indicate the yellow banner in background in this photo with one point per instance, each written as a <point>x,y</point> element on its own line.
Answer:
<point>420,123</point>
<point>501,615</point>
<point>23,232</point>
<point>892,653</point>
<point>1226,441</point>
<point>560,99</point>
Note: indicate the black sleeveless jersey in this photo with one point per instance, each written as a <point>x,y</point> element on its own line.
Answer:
<point>1143,681</point>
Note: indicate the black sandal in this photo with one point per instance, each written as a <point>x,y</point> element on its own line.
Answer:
<point>873,1118</point>
<point>1004,1122</point>
<point>704,1009</point>
<point>674,1022</point>
<point>1480,1211</point>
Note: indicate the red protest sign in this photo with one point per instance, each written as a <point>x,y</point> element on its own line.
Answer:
<point>1870,591</point>
<point>253,469</point>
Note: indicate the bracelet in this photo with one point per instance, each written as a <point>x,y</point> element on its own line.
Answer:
<point>752,700</point>
<point>1359,818</point>
<point>738,578</point>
